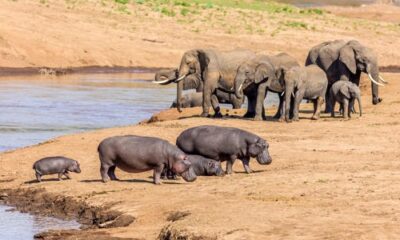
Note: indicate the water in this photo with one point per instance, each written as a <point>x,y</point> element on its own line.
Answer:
<point>35,110</point>
<point>22,226</point>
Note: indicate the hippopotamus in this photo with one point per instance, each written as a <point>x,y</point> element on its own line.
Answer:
<point>53,165</point>
<point>202,167</point>
<point>225,144</point>
<point>139,154</point>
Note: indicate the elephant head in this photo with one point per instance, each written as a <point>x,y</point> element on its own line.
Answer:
<point>252,72</point>
<point>358,58</point>
<point>352,91</point>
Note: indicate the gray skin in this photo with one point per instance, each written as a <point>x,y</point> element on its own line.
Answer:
<point>217,70</point>
<point>202,167</point>
<point>309,83</point>
<point>345,93</point>
<point>263,73</point>
<point>55,165</point>
<point>346,60</point>
<point>139,154</point>
<point>224,144</point>
<point>194,81</point>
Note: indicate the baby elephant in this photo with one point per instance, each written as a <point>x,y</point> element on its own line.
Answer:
<point>345,92</point>
<point>202,167</point>
<point>309,83</point>
<point>194,99</point>
<point>139,154</point>
<point>53,165</point>
<point>224,144</point>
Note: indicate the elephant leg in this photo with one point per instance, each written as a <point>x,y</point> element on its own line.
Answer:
<point>317,108</point>
<point>333,108</point>
<point>346,108</point>
<point>236,102</point>
<point>297,100</point>
<point>251,103</point>
<point>215,105</point>
<point>210,81</point>
<point>351,107</point>
<point>328,105</point>
<point>278,113</point>
<point>261,94</point>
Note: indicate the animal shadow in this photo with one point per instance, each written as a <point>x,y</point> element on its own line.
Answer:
<point>45,180</point>
<point>254,172</point>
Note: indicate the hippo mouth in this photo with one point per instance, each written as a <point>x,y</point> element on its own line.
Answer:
<point>264,158</point>
<point>189,175</point>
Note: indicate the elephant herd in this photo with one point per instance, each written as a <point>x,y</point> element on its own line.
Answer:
<point>331,74</point>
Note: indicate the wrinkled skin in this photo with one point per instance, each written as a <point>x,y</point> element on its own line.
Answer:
<point>139,154</point>
<point>201,166</point>
<point>345,93</point>
<point>224,144</point>
<point>217,69</point>
<point>263,73</point>
<point>346,60</point>
<point>309,83</point>
<point>55,165</point>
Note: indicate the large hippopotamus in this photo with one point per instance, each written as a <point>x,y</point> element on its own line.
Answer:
<point>224,144</point>
<point>201,166</point>
<point>139,154</point>
<point>55,165</point>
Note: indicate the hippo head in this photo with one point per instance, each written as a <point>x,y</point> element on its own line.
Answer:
<point>214,168</point>
<point>183,167</point>
<point>259,150</point>
<point>74,167</point>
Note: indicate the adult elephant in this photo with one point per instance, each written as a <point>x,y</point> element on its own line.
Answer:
<point>264,73</point>
<point>194,81</point>
<point>217,70</point>
<point>346,60</point>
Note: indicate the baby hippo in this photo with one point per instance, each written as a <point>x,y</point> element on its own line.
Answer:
<point>139,154</point>
<point>53,165</point>
<point>345,92</point>
<point>224,144</point>
<point>202,167</point>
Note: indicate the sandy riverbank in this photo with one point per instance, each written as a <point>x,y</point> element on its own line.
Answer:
<point>330,179</point>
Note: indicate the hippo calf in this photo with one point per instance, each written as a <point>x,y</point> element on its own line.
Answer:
<point>53,165</point>
<point>224,144</point>
<point>139,154</point>
<point>201,166</point>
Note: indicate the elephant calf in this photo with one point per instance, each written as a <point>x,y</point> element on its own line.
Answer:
<point>345,92</point>
<point>195,99</point>
<point>224,144</point>
<point>309,83</point>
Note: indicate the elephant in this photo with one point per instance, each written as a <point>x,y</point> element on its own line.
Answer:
<point>346,60</point>
<point>308,82</point>
<point>217,69</point>
<point>195,99</point>
<point>193,81</point>
<point>345,93</point>
<point>263,73</point>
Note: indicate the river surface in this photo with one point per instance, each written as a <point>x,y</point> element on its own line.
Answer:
<point>22,226</point>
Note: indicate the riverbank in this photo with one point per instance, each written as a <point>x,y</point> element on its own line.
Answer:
<point>329,178</point>
<point>153,34</point>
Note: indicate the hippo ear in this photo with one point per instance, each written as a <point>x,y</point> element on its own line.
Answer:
<point>211,164</point>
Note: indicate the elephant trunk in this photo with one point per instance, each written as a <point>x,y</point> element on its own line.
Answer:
<point>165,77</point>
<point>238,88</point>
<point>359,104</point>
<point>373,73</point>
<point>179,89</point>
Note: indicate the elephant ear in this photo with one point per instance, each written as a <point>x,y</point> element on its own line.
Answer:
<point>347,56</point>
<point>203,61</point>
<point>344,89</point>
<point>261,73</point>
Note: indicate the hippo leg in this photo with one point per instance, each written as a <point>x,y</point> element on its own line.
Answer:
<point>246,166</point>
<point>104,172</point>
<point>60,176</point>
<point>66,174</point>
<point>164,174</point>
<point>38,177</point>
<point>157,174</point>
<point>229,164</point>
<point>111,173</point>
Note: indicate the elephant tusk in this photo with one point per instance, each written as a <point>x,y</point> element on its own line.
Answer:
<point>372,80</point>
<point>383,80</point>
<point>161,82</point>
<point>283,93</point>
<point>240,87</point>
<point>180,78</point>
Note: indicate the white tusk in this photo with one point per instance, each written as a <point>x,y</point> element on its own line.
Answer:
<point>180,78</point>
<point>240,87</point>
<point>161,82</point>
<point>370,77</point>
<point>383,80</point>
